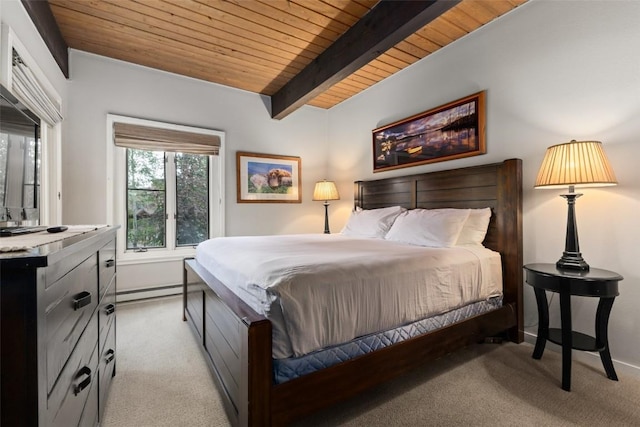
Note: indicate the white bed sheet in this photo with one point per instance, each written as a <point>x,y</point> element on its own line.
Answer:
<point>320,290</point>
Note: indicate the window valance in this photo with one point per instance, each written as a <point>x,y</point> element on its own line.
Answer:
<point>27,87</point>
<point>160,139</point>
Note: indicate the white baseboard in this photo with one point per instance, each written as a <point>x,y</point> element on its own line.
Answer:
<point>590,358</point>
<point>146,293</point>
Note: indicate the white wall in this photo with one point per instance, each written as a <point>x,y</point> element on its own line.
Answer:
<point>553,71</point>
<point>99,86</point>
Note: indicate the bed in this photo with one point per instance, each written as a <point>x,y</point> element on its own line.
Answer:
<point>237,339</point>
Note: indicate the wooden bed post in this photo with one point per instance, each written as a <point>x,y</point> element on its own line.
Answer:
<point>258,378</point>
<point>510,187</point>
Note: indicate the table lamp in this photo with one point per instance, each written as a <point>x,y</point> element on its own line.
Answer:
<point>326,190</point>
<point>574,164</point>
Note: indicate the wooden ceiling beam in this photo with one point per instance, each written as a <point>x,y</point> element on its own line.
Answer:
<point>387,24</point>
<point>42,17</point>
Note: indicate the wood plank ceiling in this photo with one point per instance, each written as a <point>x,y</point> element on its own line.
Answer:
<point>255,45</point>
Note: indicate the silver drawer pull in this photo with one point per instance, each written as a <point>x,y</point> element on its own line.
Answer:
<point>77,388</point>
<point>109,356</point>
<point>82,299</point>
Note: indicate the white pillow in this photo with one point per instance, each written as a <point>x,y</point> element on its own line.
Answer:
<point>438,228</point>
<point>475,227</point>
<point>371,222</point>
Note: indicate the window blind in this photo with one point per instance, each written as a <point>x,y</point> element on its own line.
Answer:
<point>28,89</point>
<point>141,137</point>
<point>16,122</point>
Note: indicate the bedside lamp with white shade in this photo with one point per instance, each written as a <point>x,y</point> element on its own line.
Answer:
<point>326,190</point>
<point>574,164</point>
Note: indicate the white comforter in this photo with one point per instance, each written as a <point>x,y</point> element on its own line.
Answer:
<point>321,290</point>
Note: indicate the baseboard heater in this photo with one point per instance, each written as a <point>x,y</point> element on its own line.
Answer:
<point>146,293</point>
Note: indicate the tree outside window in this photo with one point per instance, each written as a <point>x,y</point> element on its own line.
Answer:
<point>163,187</point>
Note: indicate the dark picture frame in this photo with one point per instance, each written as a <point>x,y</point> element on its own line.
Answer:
<point>268,178</point>
<point>451,131</point>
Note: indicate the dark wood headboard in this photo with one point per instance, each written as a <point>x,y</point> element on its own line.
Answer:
<point>497,185</point>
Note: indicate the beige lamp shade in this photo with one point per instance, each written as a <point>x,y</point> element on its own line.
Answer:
<point>575,163</point>
<point>325,190</point>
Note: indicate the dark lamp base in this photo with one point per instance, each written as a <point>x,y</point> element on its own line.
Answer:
<point>572,261</point>
<point>571,257</point>
<point>326,218</point>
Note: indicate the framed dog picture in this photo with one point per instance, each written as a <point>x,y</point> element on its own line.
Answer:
<point>267,178</point>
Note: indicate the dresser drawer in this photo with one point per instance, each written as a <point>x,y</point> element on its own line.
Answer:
<point>107,365</point>
<point>107,312</point>
<point>89,416</point>
<point>70,303</point>
<point>106,265</point>
<point>69,396</point>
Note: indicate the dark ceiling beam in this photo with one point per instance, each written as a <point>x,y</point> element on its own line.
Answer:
<point>384,26</point>
<point>40,13</point>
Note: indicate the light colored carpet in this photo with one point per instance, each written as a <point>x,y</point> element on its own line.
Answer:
<point>162,380</point>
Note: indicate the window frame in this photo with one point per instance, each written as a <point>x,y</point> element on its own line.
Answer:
<point>117,193</point>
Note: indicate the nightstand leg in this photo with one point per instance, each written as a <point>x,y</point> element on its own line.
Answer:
<point>567,338</point>
<point>543,322</point>
<point>602,337</point>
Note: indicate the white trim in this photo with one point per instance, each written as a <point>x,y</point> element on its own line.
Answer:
<point>109,151</point>
<point>50,176</point>
<point>216,193</point>
<point>170,191</point>
<point>111,118</point>
<point>8,42</point>
<point>155,255</point>
<point>116,199</point>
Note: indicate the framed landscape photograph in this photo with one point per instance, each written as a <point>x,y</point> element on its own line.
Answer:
<point>267,178</point>
<point>451,131</point>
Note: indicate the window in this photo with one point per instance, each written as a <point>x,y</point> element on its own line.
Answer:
<point>167,187</point>
<point>192,201</point>
<point>146,199</point>
<point>151,201</point>
<point>19,170</point>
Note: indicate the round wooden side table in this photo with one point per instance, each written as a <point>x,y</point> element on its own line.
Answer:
<point>595,282</point>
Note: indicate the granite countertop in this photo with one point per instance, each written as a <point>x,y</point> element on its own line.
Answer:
<point>26,242</point>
